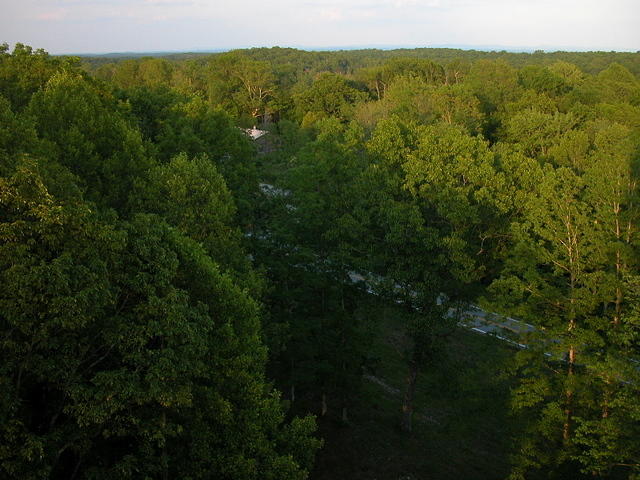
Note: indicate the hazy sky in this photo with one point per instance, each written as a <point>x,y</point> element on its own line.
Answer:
<point>77,26</point>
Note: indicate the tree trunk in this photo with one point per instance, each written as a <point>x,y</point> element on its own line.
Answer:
<point>568,411</point>
<point>165,457</point>
<point>606,397</point>
<point>407,403</point>
<point>324,405</point>
<point>76,469</point>
<point>618,301</point>
<point>574,269</point>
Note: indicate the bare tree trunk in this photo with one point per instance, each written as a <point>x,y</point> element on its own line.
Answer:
<point>407,403</point>
<point>165,457</point>
<point>572,251</point>
<point>607,397</point>
<point>76,468</point>
<point>568,410</point>
<point>324,405</point>
<point>618,301</point>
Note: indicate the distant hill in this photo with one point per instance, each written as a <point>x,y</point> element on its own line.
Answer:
<point>336,48</point>
<point>127,55</point>
<point>346,60</point>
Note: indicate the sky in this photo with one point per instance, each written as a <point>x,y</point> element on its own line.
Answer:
<point>101,26</point>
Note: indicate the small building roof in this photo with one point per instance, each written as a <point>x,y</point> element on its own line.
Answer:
<point>255,133</point>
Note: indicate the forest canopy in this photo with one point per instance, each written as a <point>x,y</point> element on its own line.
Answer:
<point>181,301</point>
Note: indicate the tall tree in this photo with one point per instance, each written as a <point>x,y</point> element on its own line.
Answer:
<point>567,273</point>
<point>244,86</point>
<point>329,95</point>
<point>126,352</point>
<point>431,199</point>
<point>192,196</point>
<point>306,248</point>
<point>86,132</point>
<point>176,124</point>
<point>25,70</point>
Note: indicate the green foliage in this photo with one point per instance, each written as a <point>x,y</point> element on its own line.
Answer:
<point>614,84</point>
<point>25,71</point>
<point>567,272</point>
<point>446,188</point>
<point>542,80</point>
<point>128,333</point>
<point>411,98</point>
<point>17,134</point>
<point>192,196</point>
<point>430,72</point>
<point>241,86</point>
<point>131,345</point>
<point>535,132</point>
<point>132,335</point>
<point>330,95</point>
<point>86,133</point>
<point>176,124</point>
<point>494,83</point>
<point>320,346</point>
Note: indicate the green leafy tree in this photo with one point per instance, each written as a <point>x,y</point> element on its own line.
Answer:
<point>191,195</point>
<point>17,134</point>
<point>155,72</point>
<point>494,83</point>
<point>25,70</point>
<point>86,133</point>
<point>609,440</point>
<point>176,124</point>
<point>306,249</point>
<point>244,87</point>
<point>536,133</point>
<point>431,203</point>
<point>552,272</point>
<point>413,99</point>
<point>330,95</point>
<point>542,80</point>
<point>127,353</point>
<point>613,84</point>
<point>567,273</point>
<point>570,74</point>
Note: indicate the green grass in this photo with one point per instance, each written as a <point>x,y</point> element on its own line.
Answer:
<point>462,429</point>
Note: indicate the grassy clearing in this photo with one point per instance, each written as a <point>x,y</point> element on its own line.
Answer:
<point>461,428</point>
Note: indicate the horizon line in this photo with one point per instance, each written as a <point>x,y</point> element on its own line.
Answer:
<point>315,48</point>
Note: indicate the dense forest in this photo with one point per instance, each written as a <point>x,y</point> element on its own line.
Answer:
<point>182,300</point>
